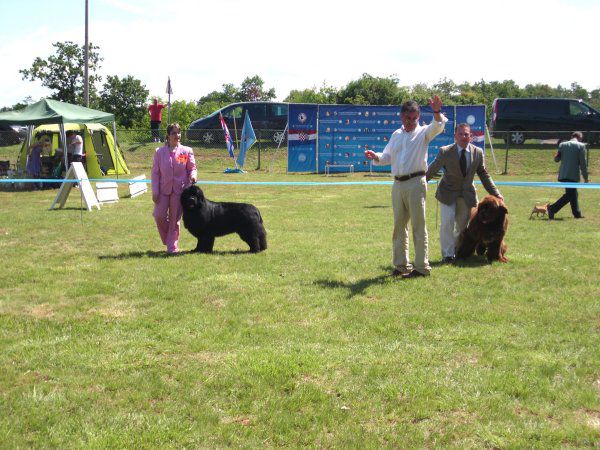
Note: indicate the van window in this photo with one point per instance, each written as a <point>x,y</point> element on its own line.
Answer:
<point>235,112</point>
<point>257,111</point>
<point>277,110</point>
<point>554,107</point>
<point>578,109</point>
<point>521,107</point>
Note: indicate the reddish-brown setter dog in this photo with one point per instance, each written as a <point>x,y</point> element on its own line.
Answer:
<point>485,231</point>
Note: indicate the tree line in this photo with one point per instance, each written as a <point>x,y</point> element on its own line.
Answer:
<point>127,98</point>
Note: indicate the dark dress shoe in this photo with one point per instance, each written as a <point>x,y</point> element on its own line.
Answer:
<point>448,260</point>
<point>398,273</point>
<point>579,217</point>
<point>413,274</point>
<point>550,214</point>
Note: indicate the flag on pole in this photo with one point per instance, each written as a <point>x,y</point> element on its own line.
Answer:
<point>248,138</point>
<point>228,140</point>
<point>169,91</point>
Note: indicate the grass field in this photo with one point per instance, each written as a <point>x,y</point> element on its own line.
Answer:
<point>106,342</point>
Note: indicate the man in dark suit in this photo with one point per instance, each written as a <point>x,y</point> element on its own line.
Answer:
<point>456,191</point>
<point>571,155</point>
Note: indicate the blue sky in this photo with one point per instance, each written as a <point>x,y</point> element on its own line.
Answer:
<point>204,44</point>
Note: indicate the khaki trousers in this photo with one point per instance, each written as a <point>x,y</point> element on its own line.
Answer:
<point>408,201</point>
<point>454,219</point>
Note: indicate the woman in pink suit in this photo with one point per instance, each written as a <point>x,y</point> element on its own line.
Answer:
<point>173,169</point>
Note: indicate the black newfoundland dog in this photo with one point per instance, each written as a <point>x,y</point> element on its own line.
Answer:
<point>207,220</point>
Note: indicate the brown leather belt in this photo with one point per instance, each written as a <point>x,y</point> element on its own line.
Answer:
<point>410,175</point>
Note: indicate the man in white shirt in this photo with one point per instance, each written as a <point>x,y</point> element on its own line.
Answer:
<point>456,191</point>
<point>74,146</point>
<point>406,151</point>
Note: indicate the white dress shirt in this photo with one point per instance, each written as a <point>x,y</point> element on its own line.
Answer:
<point>407,151</point>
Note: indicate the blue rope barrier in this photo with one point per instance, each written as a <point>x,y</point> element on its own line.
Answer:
<point>534,184</point>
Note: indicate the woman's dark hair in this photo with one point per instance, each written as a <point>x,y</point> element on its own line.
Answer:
<point>170,128</point>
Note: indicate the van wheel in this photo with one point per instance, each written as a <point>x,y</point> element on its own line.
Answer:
<point>516,137</point>
<point>208,138</point>
<point>278,137</point>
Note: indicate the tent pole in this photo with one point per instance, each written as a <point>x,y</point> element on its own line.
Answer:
<point>28,142</point>
<point>115,149</point>
<point>63,137</point>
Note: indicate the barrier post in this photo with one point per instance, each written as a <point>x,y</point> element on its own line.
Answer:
<point>259,147</point>
<point>507,140</point>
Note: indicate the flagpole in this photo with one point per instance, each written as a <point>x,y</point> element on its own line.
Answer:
<point>169,91</point>
<point>237,142</point>
<point>228,139</point>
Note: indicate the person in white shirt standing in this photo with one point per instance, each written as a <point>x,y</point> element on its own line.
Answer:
<point>406,151</point>
<point>74,147</point>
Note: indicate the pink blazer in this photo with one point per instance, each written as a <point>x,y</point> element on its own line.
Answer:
<point>171,172</point>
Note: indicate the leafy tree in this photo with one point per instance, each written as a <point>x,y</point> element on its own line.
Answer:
<point>370,90</point>
<point>447,89</point>
<point>252,90</point>
<point>595,98</point>
<point>63,71</point>
<point>325,94</point>
<point>19,105</point>
<point>579,92</point>
<point>540,90</point>
<point>229,94</point>
<point>420,93</point>
<point>184,113</point>
<point>125,98</point>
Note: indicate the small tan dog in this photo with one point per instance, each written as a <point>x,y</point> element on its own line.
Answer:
<point>539,209</point>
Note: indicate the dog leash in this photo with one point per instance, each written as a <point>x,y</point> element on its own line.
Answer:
<point>437,206</point>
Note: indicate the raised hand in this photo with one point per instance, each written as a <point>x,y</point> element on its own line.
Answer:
<point>435,103</point>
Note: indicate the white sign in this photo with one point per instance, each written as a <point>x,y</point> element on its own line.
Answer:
<point>136,187</point>
<point>76,172</point>
<point>107,192</point>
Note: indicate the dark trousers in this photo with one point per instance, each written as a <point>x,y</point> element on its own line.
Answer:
<point>154,125</point>
<point>570,196</point>
<point>75,158</point>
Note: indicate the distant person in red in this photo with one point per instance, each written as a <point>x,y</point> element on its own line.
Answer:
<point>155,110</point>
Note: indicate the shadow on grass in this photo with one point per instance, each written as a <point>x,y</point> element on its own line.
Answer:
<point>164,254</point>
<point>357,287</point>
<point>69,208</point>
<point>377,206</point>
<point>136,147</point>
<point>473,261</point>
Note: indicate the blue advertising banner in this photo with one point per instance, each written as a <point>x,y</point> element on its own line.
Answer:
<point>346,131</point>
<point>302,137</point>
<point>474,115</point>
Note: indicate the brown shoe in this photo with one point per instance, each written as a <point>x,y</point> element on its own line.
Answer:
<point>413,274</point>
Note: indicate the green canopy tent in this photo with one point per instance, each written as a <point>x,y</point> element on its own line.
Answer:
<point>48,111</point>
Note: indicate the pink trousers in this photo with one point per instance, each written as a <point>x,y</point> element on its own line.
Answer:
<point>167,214</point>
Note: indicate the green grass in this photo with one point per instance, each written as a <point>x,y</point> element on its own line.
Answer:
<point>106,342</point>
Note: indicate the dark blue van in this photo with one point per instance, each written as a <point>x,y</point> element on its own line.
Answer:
<point>263,115</point>
<point>518,119</point>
